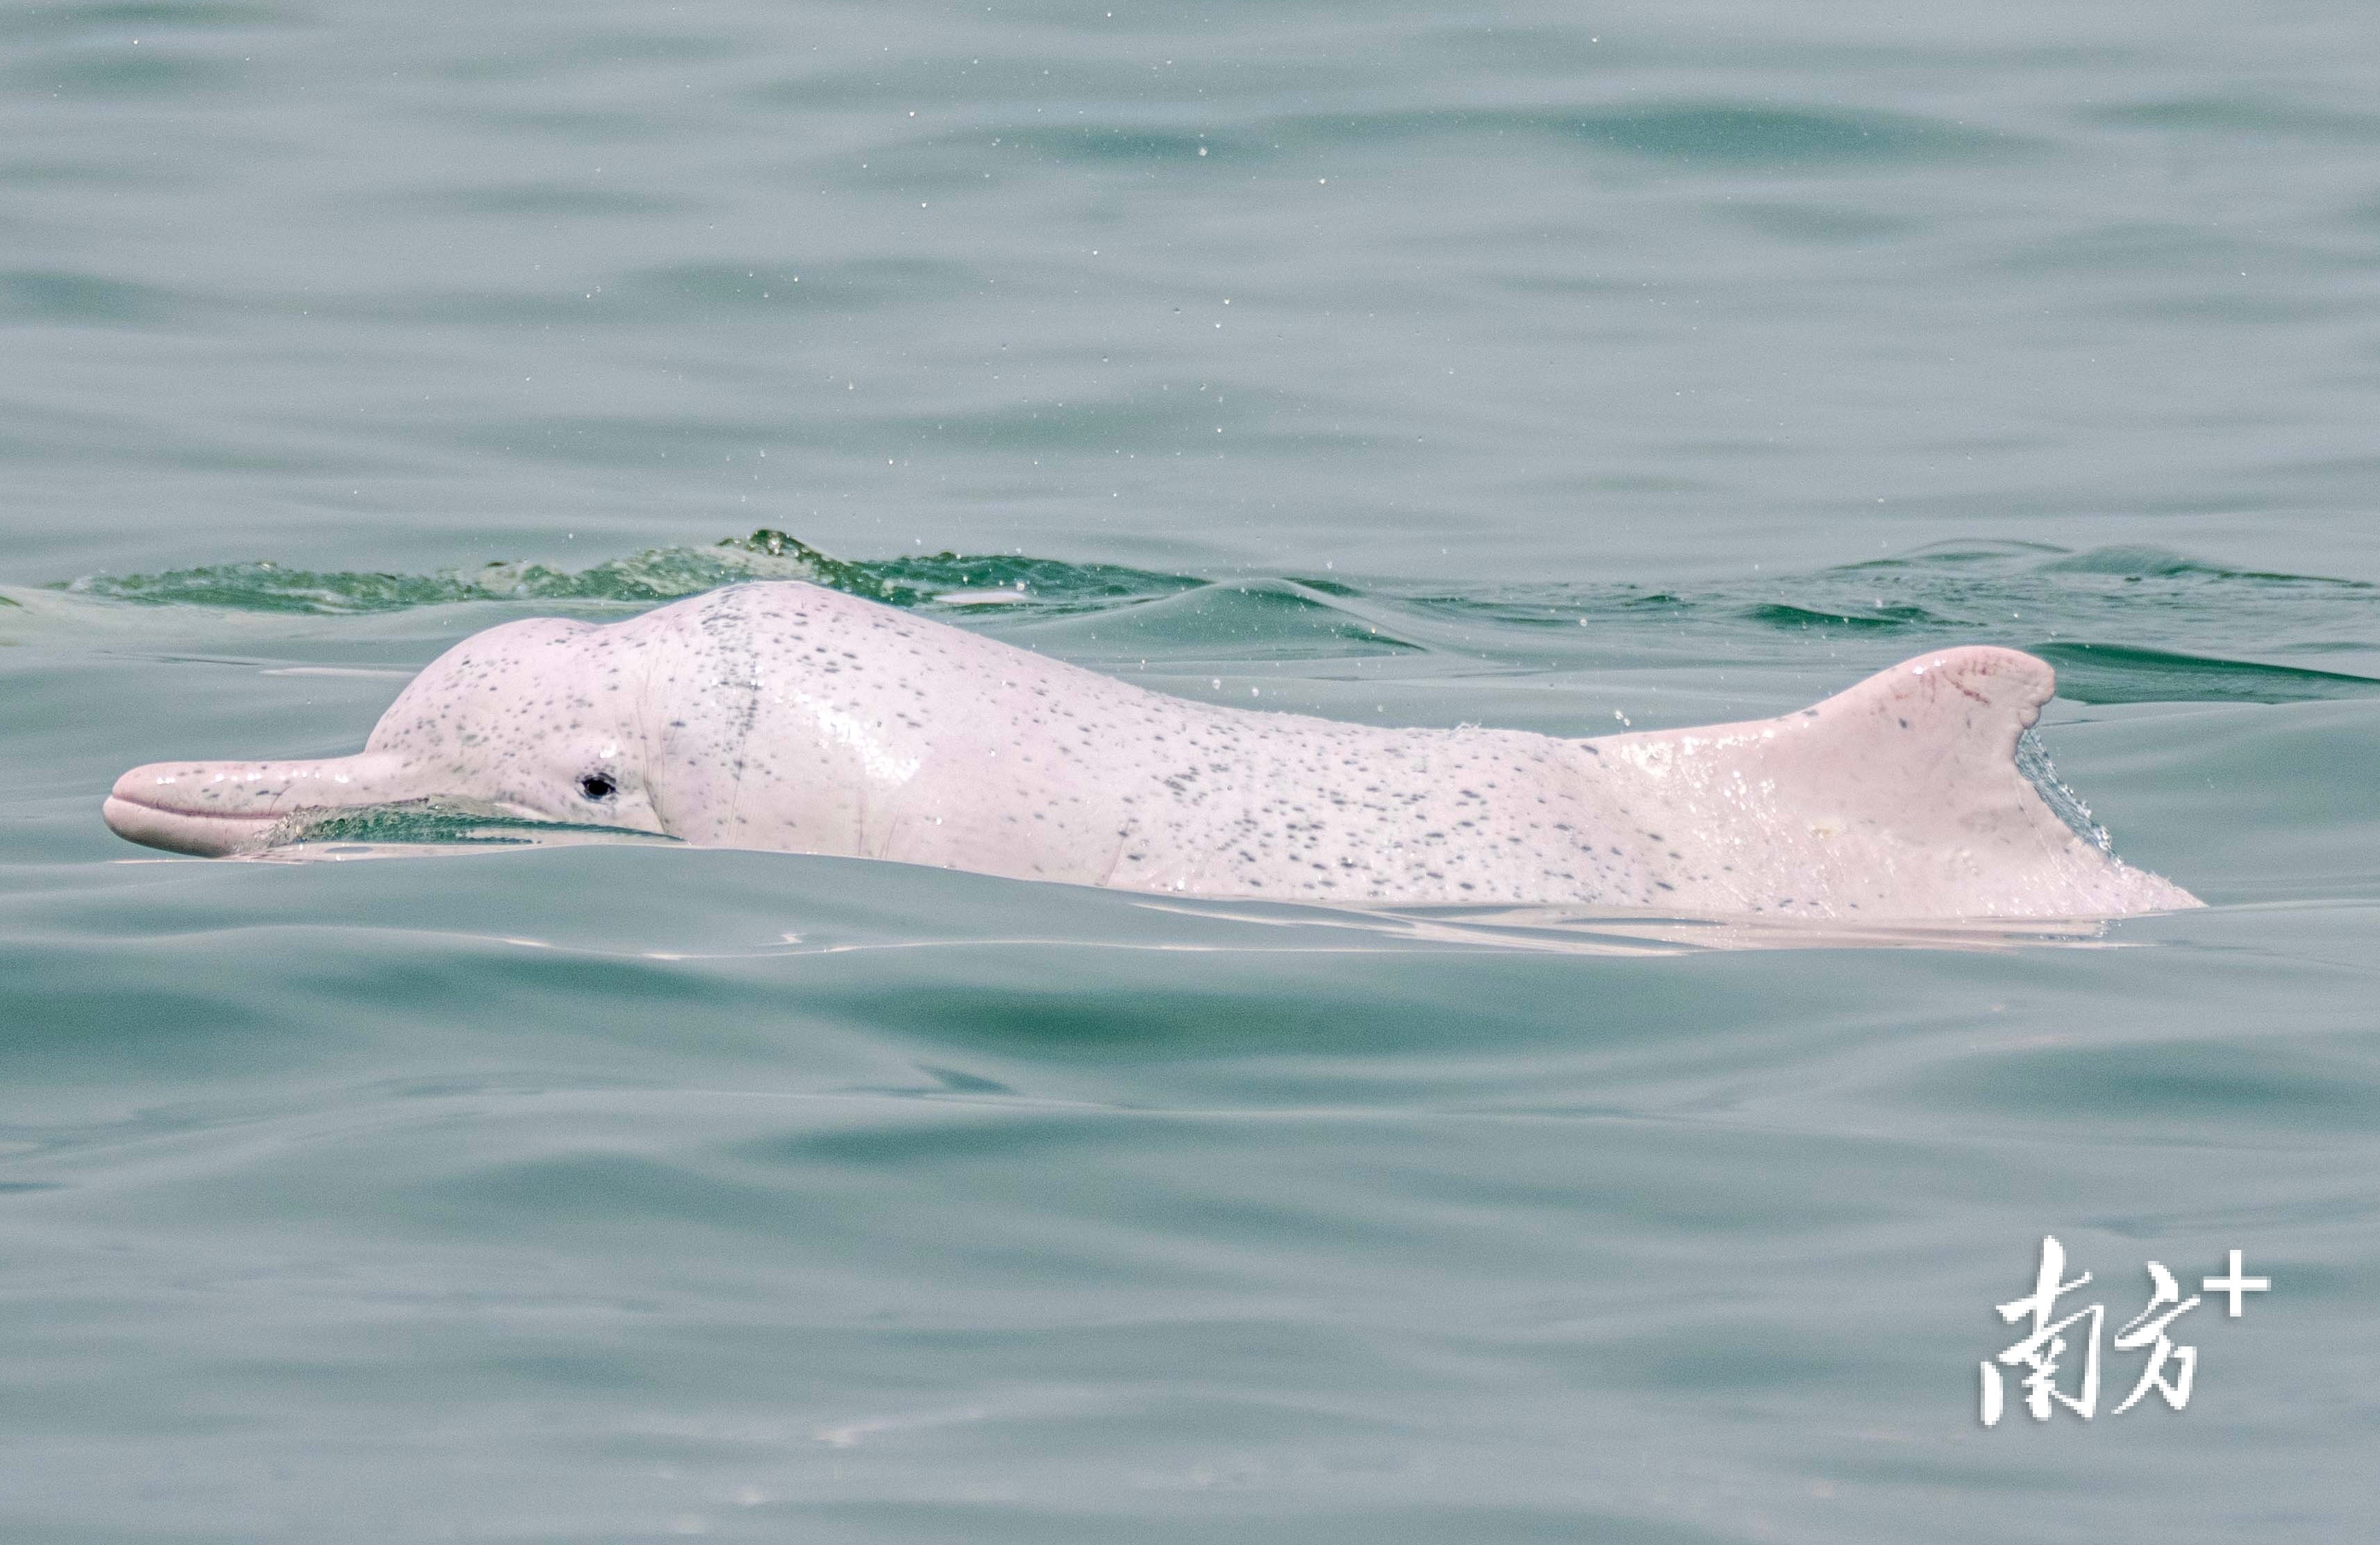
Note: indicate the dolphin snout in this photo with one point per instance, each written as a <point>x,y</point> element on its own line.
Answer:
<point>216,810</point>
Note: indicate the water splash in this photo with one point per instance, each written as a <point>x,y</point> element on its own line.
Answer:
<point>2033,760</point>
<point>414,824</point>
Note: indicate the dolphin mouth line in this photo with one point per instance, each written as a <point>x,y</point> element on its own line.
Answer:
<point>140,817</point>
<point>201,815</point>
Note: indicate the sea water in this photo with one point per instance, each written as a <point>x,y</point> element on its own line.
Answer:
<point>1559,367</point>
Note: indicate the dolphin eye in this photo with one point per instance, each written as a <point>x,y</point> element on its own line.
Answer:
<point>597,786</point>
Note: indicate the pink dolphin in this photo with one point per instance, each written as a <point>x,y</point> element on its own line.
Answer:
<point>783,716</point>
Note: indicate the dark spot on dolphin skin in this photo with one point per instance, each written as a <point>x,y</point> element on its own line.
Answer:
<point>1904,724</point>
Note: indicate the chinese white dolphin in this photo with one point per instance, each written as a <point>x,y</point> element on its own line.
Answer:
<point>784,716</point>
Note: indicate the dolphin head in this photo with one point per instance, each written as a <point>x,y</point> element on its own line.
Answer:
<point>539,720</point>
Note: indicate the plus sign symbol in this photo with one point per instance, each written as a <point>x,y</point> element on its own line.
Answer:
<point>2234,1282</point>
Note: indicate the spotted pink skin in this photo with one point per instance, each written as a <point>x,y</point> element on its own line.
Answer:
<point>787,717</point>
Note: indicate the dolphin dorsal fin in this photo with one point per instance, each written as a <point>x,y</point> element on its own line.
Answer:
<point>1903,795</point>
<point>1927,748</point>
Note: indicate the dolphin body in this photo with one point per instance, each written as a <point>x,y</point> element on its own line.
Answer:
<point>783,716</point>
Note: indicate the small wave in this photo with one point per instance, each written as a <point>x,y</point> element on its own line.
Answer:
<point>644,579</point>
<point>1734,135</point>
<point>54,295</point>
<point>1739,134</point>
<point>2128,623</point>
<point>1271,619</point>
<point>2120,673</point>
<point>1777,614</point>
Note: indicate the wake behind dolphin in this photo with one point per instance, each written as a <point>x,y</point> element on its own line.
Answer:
<point>783,716</point>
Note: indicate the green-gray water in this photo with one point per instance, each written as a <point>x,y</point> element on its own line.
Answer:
<point>1538,366</point>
